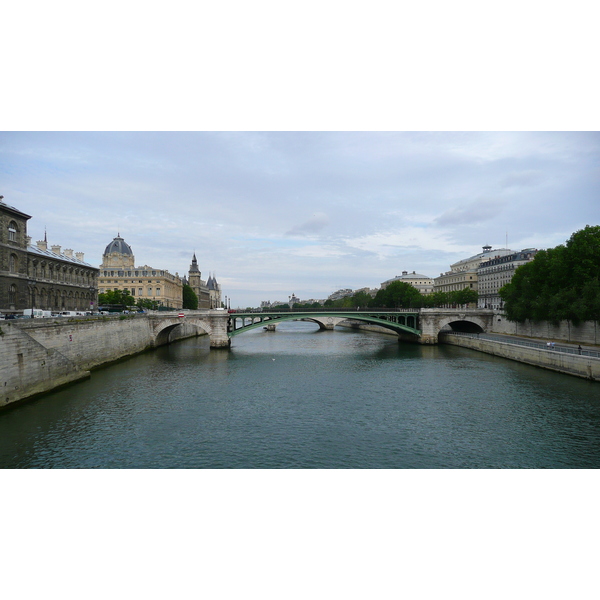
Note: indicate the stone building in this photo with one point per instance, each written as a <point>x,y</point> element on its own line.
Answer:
<point>463,274</point>
<point>214,290</point>
<point>497,272</point>
<point>118,272</point>
<point>38,277</point>
<point>423,283</point>
<point>195,281</point>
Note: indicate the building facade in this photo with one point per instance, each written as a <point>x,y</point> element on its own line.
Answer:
<point>463,274</point>
<point>118,272</point>
<point>195,281</point>
<point>38,277</point>
<point>214,291</point>
<point>423,283</point>
<point>497,272</point>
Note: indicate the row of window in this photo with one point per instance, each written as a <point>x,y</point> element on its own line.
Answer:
<point>55,272</point>
<point>140,291</point>
<point>45,298</point>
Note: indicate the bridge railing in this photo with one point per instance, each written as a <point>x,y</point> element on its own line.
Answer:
<point>326,309</point>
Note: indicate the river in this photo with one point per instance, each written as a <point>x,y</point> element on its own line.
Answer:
<point>303,398</point>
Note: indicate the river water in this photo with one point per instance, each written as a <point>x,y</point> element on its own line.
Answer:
<point>303,398</point>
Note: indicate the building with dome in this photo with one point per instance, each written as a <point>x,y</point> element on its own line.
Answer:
<point>118,272</point>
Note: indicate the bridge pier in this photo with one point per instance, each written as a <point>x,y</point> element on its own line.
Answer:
<point>218,330</point>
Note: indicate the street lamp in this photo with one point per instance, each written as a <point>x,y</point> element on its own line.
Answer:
<point>30,284</point>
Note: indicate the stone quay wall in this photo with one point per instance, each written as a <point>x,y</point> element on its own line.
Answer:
<point>584,333</point>
<point>39,355</point>
<point>571,364</point>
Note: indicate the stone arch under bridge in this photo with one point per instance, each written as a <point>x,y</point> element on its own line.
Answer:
<point>214,324</point>
<point>433,321</point>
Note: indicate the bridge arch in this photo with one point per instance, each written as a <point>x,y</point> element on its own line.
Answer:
<point>162,332</point>
<point>472,324</point>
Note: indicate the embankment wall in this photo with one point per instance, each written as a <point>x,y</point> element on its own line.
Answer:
<point>584,333</point>
<point>40,355</point>
<point>571,364</point>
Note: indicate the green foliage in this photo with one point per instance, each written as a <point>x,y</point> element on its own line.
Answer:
<point>398,294</point>
<point>116,297</point>
<point>561,283</point>
<point>190,299</point>
<point>147,304</point>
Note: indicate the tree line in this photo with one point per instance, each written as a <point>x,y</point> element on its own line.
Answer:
<point>559,284</point>
<point>397,294</point>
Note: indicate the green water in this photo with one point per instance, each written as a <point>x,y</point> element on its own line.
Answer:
<point>303,398</point>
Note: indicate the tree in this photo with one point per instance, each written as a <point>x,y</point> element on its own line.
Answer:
<point>464,296</point>
<point>398,294</point>
<point>190,300</point>
<point>560,283</point>
<point>122,297</point>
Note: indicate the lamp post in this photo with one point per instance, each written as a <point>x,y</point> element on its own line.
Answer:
<point>30,285</point>
<point>92,294</point>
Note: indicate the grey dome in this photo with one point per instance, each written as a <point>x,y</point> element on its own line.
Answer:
<point>118,245</point>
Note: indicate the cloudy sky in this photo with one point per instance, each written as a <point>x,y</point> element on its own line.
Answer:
<point>297,154</point>
<point>276,213</point>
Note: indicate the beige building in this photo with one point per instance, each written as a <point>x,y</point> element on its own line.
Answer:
<point>118,272</point>
<point>463,274</point>
<point>423,283</point>
<point>496,273</point>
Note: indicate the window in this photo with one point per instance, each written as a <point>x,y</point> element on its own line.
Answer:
<point>149,291</point>
<point>140,291</point>
<point>12,294</point>
<point>12,232</point>
<point>13,263</point>
<point>158,291</point>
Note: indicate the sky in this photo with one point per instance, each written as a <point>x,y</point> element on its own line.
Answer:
<point>276,213</point>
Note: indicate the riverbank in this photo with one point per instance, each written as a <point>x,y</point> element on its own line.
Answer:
<point>586,367</point>
<point>41,355</point>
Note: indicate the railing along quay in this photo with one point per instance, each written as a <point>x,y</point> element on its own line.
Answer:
<point>531,344</point>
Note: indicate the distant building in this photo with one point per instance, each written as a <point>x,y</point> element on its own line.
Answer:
<point>344,293</point>
<point>497,272</point>
<point>35,277</point>
<point>214,290</point>
<point>463,274</point>
<point>208,292</point>
<point>195,281</point>
<point>118,272</point>
<point>423,283</point>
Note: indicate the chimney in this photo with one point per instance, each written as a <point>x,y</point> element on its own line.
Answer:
<point>69,252</point>
<point>79,256</point>
<point>42,245</point>
<point>55,249</point>
<point>28,240</point>
<point>404,272</point>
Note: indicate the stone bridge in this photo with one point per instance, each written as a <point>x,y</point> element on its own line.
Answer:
<point>418,325</point>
